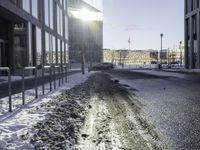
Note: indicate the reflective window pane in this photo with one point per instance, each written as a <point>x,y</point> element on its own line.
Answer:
<point>51,13</point>
<point>59,52</point>
<point>26,5</point>
<point>38,46</point>
<point>35,8</point>
<point>46,10</point>
<point>47,50</point>
<point>54,49</point>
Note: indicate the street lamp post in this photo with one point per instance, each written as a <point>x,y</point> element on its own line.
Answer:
<point>161,36</point>
<point>181,55</point>
<point>83,49</point>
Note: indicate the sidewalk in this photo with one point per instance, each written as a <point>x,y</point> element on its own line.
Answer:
<point>29,83</point>
<point>17,128</point>
<point>183,70</point>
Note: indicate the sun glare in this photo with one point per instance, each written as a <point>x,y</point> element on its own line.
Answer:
<point>87,15</point>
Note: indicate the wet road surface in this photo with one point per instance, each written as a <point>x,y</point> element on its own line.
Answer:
<point>172,104</point>
<point>114,120</point>
<point>99,114</point>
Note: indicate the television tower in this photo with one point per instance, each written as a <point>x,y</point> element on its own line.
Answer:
<point>129,43</point>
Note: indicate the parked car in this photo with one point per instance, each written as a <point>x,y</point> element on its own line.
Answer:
<point>103,66</point>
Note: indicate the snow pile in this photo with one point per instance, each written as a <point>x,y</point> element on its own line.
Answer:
<point>17,128</point>
<point>59,130</point>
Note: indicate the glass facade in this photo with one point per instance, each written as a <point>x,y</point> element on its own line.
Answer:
<point>85,31</point>
<point>59,52</point>
<point>40,32</point>
<point>38,46</point>
<point>49,13</point>
<point>46,4</point>
<point>54,50</point>
<point>35,8</point>
<point>26,5</point>
<point>51,10</point>
<point>20,44</point>
<point>192,22</point>
<point>98,4</point>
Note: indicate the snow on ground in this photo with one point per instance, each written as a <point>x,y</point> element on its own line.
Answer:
<point>166,74</point>
<point>17,128</point>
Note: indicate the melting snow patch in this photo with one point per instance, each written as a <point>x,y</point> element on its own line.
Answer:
<point>17,128</point>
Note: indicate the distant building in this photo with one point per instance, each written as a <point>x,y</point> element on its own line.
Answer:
<point>192,36</point>
<point>169,56</point>
<point>130,56</point>
<point>85,31</point>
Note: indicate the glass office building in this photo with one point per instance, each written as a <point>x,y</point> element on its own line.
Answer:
<point>192,34</point>
<point>98,4</point>
<point>85,31</point>
<point>33,33</point>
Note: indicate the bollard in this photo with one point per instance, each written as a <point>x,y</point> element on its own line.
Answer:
<point>65,74</point>
<point>50,78</point>
<point>62,75</point>
<point>54,73</point>
<point>23,88</point>
<point>59,76</point>
<point>43,81</point>
<point>10,93</point>
<point>36,86</point>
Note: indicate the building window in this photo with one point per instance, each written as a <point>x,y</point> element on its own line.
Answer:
<point>58,19</point>
<point>30,44</point>
<point>188,6</point>
<point>26,5</point>
<point>20,45</point>
<point>38,46</point>
<point>16,2</point>
<point>197,2</point>
<point>67,53</point>
<point>66,28</point>
<point>65,5</point>
<point>61,22</point>
<point>63,53</point>
<point>54,50</point>
<point>194,4</point>
<point>46,10</point>
<point>195,45</point>
<point>35,8</point>
<point>47,49</point>
<point>51,13</point>
<point>59,52</point>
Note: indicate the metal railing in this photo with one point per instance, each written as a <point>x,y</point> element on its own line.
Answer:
<point>55,73</point>
<point>59,75</point>
<point>7,69</point>
<point>23,83</point>
<point>50,75</point>
<point>65,73</point>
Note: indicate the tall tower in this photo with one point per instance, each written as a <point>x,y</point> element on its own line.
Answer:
<point>129,43</point>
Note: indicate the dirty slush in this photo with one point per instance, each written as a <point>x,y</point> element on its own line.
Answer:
<point>98,114</point>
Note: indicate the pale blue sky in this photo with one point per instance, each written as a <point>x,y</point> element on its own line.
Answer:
<point>143,21</point>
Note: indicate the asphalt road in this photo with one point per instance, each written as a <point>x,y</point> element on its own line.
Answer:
<point>171,103</point>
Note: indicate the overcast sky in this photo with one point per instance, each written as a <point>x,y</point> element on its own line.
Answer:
<point>143,21</point>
